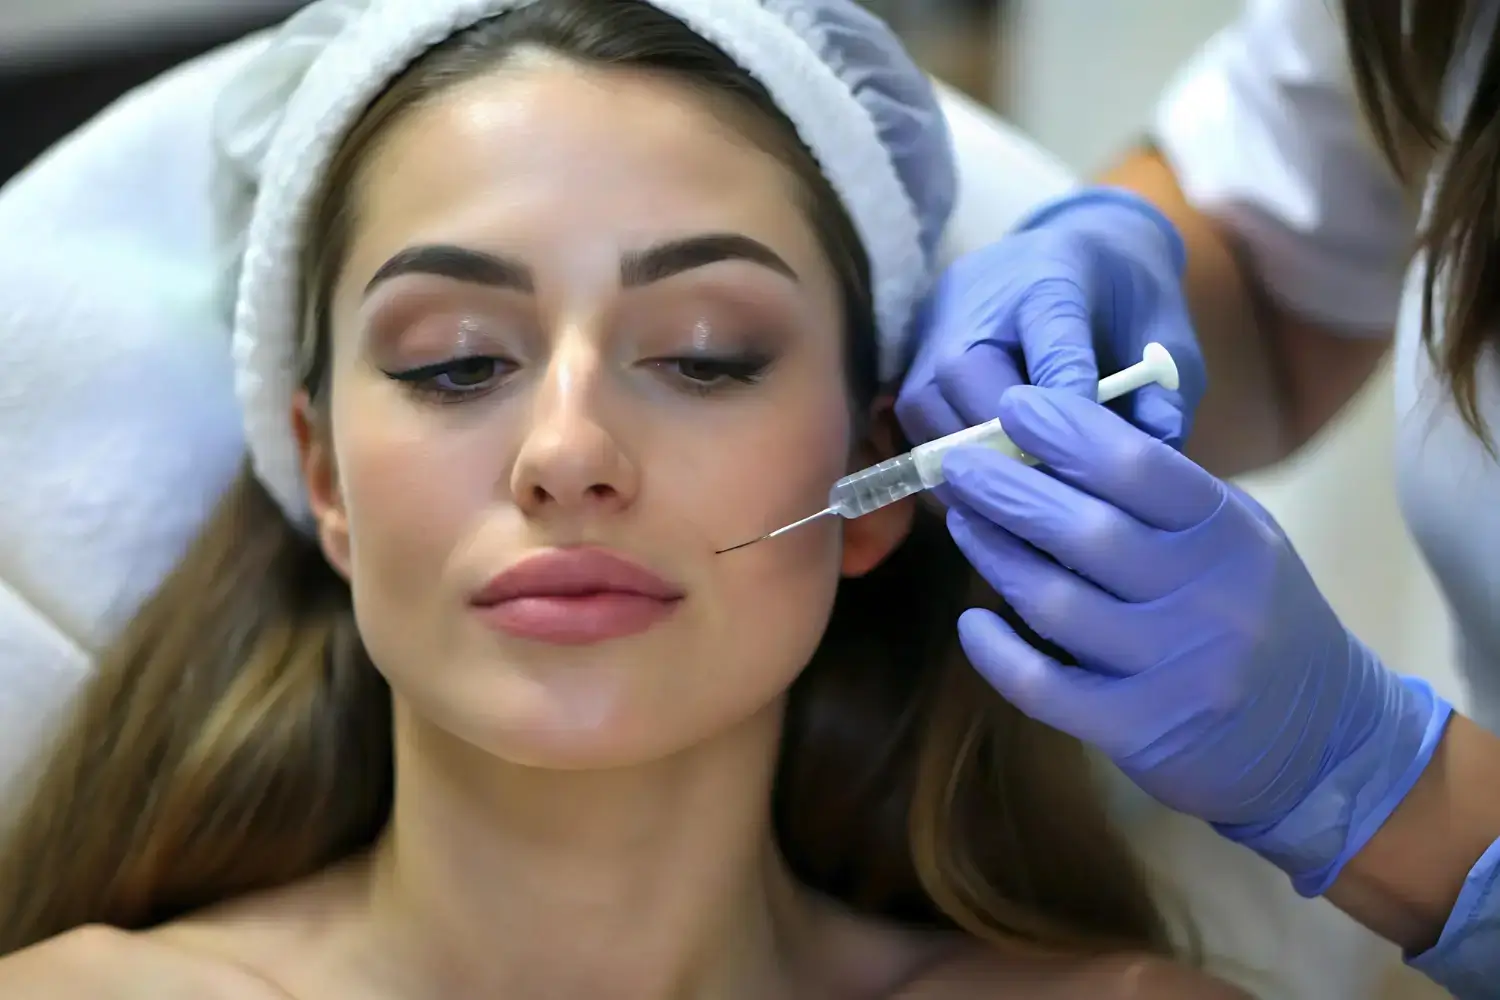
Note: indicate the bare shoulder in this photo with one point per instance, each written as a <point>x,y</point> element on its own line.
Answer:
<point>986,974</point>
<point>276,934</point>
<point>1159,979</point>
<point>102,963</point>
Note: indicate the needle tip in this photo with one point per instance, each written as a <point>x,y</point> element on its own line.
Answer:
<point>742,545</point>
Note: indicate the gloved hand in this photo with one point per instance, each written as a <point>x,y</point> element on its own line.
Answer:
<point>1084,284</point>
<point>1211,670</point>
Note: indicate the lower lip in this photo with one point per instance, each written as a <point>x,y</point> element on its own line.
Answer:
<point>576,621</point>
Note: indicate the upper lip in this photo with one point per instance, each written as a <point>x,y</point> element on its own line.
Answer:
<point>575,572</point>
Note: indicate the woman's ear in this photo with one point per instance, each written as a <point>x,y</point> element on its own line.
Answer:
<point>869,540</point>
<point>320,474</point>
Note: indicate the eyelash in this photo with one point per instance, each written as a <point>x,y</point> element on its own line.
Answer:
<point>747,369</point>
<point>422,381</point>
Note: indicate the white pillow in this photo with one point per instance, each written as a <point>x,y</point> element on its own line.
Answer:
<point>118,427</point>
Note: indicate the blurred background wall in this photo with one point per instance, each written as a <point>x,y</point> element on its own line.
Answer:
<point>1080,76</point>
<point>63,60</point>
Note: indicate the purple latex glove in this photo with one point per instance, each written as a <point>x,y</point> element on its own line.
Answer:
<point>1082,285</point>
<point>1210,668</point>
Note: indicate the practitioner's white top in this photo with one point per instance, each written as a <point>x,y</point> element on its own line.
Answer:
<point>1264,131</point>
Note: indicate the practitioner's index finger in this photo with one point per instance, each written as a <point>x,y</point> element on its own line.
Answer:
<point>1101,453</point>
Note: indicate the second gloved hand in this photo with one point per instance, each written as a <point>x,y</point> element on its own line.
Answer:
<point>1084,284</point>
<point>1210,668</point>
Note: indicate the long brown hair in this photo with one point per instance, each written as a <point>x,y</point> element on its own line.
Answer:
<point>237,737</point>
<point>1401,53</point>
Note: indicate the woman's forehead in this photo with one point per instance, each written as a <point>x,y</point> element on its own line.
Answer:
<point>559,154</point>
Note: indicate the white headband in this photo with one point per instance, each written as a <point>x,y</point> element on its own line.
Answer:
<point>883,147</point>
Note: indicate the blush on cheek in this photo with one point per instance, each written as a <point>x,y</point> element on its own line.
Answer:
<point>778,597</point>
<point>779,469</point>
<point>399,538</point>
<point>398,506</point>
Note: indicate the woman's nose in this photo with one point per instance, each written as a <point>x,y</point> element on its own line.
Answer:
<point>571,459</point>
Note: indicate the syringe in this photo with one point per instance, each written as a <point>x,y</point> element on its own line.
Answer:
<point>921,468</point>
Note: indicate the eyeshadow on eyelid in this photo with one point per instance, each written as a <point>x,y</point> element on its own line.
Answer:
<point>422,338</point>
<point>709,336</point>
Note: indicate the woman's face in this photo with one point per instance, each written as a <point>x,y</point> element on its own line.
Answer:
<point>584,338</point>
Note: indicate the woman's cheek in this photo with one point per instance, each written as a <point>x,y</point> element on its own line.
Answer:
<point>778,472</point>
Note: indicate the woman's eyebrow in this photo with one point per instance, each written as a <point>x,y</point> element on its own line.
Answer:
<point>643,267</point>
<point>474,267</point>
<point>676,256</point>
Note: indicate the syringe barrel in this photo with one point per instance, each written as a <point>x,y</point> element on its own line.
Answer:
<point>929,457</point>
<point>875,487</point>
<point>922,468</point>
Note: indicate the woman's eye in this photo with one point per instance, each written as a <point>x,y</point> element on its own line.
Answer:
<point>704,374</point>
<point>456,379</point>
<point>470,373</point>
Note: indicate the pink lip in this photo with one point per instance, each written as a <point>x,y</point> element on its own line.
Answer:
<point>575,597</point>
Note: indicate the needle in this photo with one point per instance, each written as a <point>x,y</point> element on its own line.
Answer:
<point>780,531</point>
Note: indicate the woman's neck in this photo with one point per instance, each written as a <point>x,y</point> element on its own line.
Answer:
<point>659,881</point>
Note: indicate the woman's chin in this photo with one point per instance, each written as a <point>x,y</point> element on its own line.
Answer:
<point>564,735</point>
<point>603,734</point>
<point>565,748</point>
<point>612,709</point>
